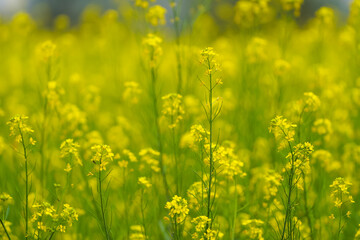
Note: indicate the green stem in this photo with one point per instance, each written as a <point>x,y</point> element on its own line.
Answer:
<point>307,209</point>
<point>210,147</point>
<point>340,218</point>
<point>178,179</point>
<point>142,213</point>
<point>7,234</point>
<point>51,236</point>
<point>158,132</point>
<point>235,212</point>
<point>26,185</point>
<point>288,204</point>
<point>102,205</point>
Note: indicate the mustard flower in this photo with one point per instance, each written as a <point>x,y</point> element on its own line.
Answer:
<point>178,208</point>
<point>156,15</point>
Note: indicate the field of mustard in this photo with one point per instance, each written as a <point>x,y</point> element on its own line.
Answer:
<point>161,121</point>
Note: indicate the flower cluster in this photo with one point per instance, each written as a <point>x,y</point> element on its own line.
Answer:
<point>173,109</point>
<point>249,13</point>
<point>340,192</point>
<point>156,15</point>
<point>256,50</point>
<point>70,149</point>
<point>283,130</point>
<point>46,51</point>
<point>272,182</point>
<point>178,208</point>
<point>144,182</point>
<point>137,233</point>
<point>20,129</point>
<point>102,156</point>
<point>148,156</point>
<point>131,92</point>
<point>209,60</point>
<point>152,48</point>
<point>253,229</point>
<point>299,158</point>
<point>46,218</point>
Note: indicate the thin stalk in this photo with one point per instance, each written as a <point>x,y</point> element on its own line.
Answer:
<point>126,205</point>
<point>235,212</point>
<point>43,132</point>
<point>142,213</point>
<point>158,132</point>
<point>340,218</point>
<point>210,142</point>
<point>178,179</point>
<point>26,185</point>
<point>307,209</point>
<point>6,232</point>
<point>176,230</point>
<point>51,236</point>
<point>288,205</point>
<point>102,205</point>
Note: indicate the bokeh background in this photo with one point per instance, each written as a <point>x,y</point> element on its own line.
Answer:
<point>44,11</point>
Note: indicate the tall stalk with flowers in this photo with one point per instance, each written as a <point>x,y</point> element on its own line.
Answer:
<point>23,134</point>
<point>101,157</point>
<point>297,165</point>
<point>153,51</point>
<point>212,111</point>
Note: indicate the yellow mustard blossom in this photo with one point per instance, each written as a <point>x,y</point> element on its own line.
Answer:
<point>256,50</point>
<point>211,234</point>
<point>144,182</point>
<point>209,60</point>
<point>325,16</point>
<point>19,128</point>
<point>156,15</point>
<point>340,192</point>
<point>47,219</point>
<point>102,154</point>
<point>173,109</point>
<point>323,127</point>
<point>152,48</point>
<point>283,130</point>
<point>178,208</point>
<point>199,133</point>
<point>253,229</point>
<point>73,120</point>
<point>229,163</point>
<point>143,3</point>
<point>137,232</point>
<point>299,160</point>
<point>271,185</point>
<point>131,156</point>
<point>148,156</point>
<point>52,94</point>
<point>200,225</point>
<point>311,102</point>
<point>47,51</point>
<point>250,13</point>
<point>131,92</point>
<point>69,148</point>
